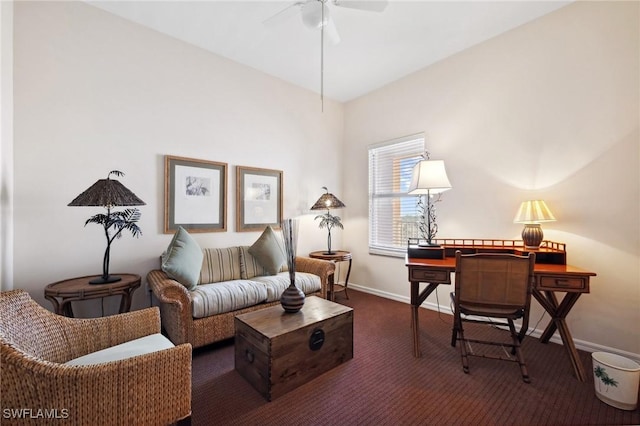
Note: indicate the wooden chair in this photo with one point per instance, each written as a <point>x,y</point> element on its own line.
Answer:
<point>35,345</point>
<point>492,286</point>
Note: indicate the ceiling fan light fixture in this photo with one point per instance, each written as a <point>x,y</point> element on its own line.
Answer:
<point>312,16</point>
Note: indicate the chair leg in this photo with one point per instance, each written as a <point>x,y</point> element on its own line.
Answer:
<point>518,352</point>
<point>463,350</point>
<point>454,331</point>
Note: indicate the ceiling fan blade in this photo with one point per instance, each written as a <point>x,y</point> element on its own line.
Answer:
<point>370,5</point>
<point>331,32</point>
<point>283,15</point>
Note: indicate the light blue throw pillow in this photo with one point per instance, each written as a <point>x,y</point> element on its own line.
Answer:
<point>183,259</point>
<point>268,251</point>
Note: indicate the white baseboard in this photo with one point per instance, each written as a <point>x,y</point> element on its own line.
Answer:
<point>445,308</point>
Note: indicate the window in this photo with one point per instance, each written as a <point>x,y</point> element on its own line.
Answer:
<point>393,214</point>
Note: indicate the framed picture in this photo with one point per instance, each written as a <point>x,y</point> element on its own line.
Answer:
<point>195,195</point>
<point>258,198</point>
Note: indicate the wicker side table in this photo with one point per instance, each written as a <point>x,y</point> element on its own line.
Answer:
<point>62,293</point>
<point>335,256</point>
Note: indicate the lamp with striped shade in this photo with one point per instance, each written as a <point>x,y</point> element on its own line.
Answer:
<point>532,213</point>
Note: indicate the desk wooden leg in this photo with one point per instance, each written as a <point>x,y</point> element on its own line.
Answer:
<point>417,299</point>
<point>415,321</point>
<point>550,304</point>
<point>558,314</point>
<point>565,334</point>
<point>416,331</point>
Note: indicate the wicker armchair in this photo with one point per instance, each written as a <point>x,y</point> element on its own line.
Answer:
<point>35,384</point>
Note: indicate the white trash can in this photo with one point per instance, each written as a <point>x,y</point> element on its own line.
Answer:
<point>616,380</point>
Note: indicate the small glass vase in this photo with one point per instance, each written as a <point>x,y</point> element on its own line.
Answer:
<point>292,299</point>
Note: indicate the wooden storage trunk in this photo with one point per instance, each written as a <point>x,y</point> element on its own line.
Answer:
<point>277,352</point>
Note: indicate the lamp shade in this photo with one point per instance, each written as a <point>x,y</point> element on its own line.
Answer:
<point>110,193</point>
<point>107,193</point>
<point>327,201</point>
<point>534,211</point>
<point>429,177</point>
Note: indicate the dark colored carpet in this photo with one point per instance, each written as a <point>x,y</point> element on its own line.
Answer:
<point>384,384</point>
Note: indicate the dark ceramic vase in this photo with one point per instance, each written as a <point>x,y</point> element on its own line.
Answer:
<point>292,299</point>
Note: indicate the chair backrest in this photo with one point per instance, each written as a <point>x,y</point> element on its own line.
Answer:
<point>31,329</point>
<point>494,280</point>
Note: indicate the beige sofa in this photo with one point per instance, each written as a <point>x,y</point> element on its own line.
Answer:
<point>231,282</point>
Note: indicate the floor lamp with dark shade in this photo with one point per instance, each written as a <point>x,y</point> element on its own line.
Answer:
<point>109,193</point>
<point>327,202</point>
<point>531,214</point>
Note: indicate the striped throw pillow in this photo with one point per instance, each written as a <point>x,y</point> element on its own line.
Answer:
<point>220,264</point>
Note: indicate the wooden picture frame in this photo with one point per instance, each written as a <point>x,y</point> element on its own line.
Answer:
<point>195,195</point>
<point>258,198</point>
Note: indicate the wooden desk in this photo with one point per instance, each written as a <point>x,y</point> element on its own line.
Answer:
<point>76,289</point>
<point>549,280</point>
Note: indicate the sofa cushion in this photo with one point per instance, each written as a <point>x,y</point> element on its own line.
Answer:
<point>218,298</point>
<point>276,284</point>
<point>142,346</point>
<point>268,251</point>
<point>220,264</point>
<point>249,265</point>
<point>183,259</point>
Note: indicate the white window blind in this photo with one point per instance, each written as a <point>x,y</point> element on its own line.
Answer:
<point>392,212</point>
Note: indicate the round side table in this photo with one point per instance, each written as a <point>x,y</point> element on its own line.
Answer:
<point>77,289</point>
<point>335,256</point>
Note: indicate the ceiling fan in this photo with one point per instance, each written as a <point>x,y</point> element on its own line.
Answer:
<point>315,14</point>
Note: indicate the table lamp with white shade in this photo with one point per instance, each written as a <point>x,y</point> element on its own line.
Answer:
<point>429,177</point>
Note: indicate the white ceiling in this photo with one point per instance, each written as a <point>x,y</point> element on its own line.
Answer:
<point>375,48</point>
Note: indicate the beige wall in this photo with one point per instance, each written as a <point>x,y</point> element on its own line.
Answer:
<point>548,110</point>
<point>6,145</point>
<point>94,93</point>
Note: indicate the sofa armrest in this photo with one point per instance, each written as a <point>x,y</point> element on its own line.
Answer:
<point>175,306</point>
<point>322,268</point>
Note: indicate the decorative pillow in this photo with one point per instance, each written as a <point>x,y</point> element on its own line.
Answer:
<point>268,252</point>
<point>183,259</point>
<point>220,264</point>
<point>249,266</point>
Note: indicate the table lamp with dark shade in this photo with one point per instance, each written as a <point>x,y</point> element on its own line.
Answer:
<point>327,202</point>
<point>109,193</point>
<point>429,177</point>
<point>532,213</point>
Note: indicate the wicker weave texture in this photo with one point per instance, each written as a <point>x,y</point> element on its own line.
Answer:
<point>152,389</point>
<point>175,306</point>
